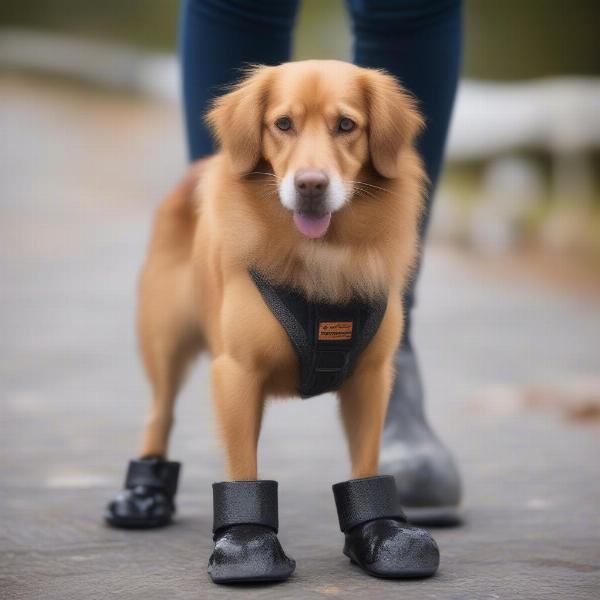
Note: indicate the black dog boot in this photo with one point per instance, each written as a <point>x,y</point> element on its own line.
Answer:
<point>148,498</point>
<point>378,538</point>
<point>427,477</point>
<point>245,533</point>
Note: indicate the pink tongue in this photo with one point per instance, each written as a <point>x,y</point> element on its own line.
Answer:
<point>312,227</point>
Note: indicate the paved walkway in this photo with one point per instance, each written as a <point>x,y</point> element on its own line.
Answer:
<point>80,173</point>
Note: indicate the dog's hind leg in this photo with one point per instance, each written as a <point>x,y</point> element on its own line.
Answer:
<point>169,338</point>
<point>168,331</point>
<point>169,341</point>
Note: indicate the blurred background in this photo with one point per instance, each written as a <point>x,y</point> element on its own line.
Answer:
<point>508,320</point>
<point>524,151</point>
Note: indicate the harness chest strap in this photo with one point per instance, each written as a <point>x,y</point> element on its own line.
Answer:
<point>327,338</point>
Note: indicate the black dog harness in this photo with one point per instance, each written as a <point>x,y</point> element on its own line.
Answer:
<point>327,338</point>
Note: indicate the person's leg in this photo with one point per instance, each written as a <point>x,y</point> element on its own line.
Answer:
<point>420,42</point>
<point>216,39</point>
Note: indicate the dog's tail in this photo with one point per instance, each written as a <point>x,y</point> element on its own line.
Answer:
<point>176,219</point>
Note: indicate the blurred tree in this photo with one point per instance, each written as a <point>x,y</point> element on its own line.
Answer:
<point>517,39</point>
<point>505,39</point>
<point>150,23</point>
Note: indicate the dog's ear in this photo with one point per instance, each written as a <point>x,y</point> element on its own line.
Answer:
<point>236,119</point>
<point>394,121</point>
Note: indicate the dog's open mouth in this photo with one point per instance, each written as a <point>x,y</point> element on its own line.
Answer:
<point>311,225</point>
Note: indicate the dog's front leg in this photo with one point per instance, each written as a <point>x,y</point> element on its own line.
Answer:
<point>238,400</point>
<point>363,403</point>
<point>376,534</point>
<point>245,521</point>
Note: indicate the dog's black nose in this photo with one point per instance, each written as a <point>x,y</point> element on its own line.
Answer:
<point>311,183</point>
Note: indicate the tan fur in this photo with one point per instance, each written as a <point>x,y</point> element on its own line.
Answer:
<point>225,217</point>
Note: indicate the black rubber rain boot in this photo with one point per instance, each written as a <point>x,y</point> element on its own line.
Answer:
<point>427,478</point>
<point>148,499</point>
<point>378,538</point>
<point>245,533</point>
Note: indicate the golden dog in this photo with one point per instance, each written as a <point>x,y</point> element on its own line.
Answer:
<point>317,184</point>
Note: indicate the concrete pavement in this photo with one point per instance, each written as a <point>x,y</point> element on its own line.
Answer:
<point>81,171</point>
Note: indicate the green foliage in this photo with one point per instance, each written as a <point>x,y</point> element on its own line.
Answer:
<point>148,23</point>
<point>505,39</point>
<point>518,39</point>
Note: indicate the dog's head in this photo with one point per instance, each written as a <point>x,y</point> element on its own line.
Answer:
<point>317,125</point>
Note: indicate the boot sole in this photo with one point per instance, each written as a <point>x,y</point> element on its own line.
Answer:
<point>224,579</point>
<point>236,580</point>
<point>137,523</point>
<point>414,574</point>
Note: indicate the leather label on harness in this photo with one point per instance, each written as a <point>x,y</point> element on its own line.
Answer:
<point>335,330</point>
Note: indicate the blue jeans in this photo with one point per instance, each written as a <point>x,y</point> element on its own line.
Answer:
<point>418,41</point>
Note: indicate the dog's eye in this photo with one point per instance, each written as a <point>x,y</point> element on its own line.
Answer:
<point>283,123</point>
<point>346,125</point>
